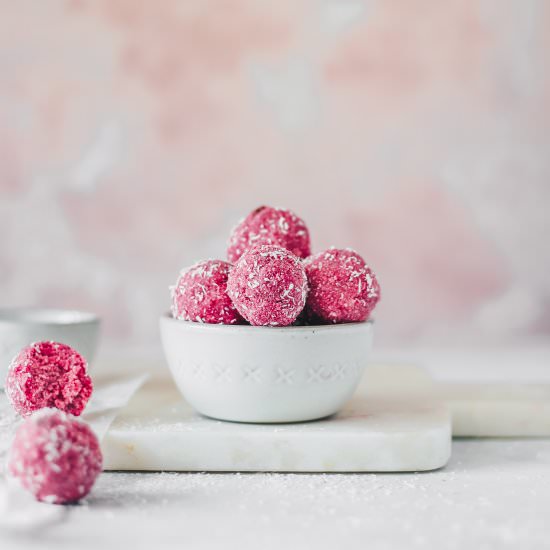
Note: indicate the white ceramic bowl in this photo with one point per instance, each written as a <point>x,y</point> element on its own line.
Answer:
<point>20,327</point>
<point>266,374</point>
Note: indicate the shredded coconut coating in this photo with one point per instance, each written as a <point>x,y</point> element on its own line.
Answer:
<point>200,294</point>
<point>343,289</point>
<point>55,456</point>
<point>269,226</point>
<point>48,374</point>
<point>268,285</point>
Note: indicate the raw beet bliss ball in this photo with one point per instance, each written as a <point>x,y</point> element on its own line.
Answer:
<point>56,457</point>
<point>268,285</point>
<point>269,226</point>
<point>343,289</point>
<point>48,374</point>
<point>200,294</point>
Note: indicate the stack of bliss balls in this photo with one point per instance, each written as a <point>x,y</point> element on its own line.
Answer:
<point>53,455</point>
<point>271,279</point>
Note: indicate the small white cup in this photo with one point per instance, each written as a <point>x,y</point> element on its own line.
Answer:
<point>266,374</point>
<point>20,327</point>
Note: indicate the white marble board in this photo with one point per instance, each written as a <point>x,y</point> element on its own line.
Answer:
<point>497,409</point>
<point>380,430</point>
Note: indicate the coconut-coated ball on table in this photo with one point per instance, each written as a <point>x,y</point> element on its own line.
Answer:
<point>55,456</point>
<point>343,289</point>
<point>268,285</point>
<point>48,374</point>
<point>269,226</point>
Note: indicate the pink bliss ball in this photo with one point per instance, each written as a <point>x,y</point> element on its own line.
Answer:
<point>268,285</point>
<point>48,374</point>
<point>269,226</point>
<point>56,457</point>
<point>200,294</point>
<point>343,289</point>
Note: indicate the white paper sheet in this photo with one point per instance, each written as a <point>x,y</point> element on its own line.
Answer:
<point>19,511</point>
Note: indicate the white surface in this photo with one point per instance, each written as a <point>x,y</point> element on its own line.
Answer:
<point>493,494</point>
<point>20,327</point>
<point>266,374</point>
<point>386,426</point>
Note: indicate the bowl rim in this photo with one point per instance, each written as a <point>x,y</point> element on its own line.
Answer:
<point>41,316</point>
<point>168,318</point>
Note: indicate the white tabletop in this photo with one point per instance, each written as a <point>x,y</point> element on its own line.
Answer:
<point>492,494</point>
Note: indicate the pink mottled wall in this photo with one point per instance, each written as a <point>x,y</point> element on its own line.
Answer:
<point>133,134</point>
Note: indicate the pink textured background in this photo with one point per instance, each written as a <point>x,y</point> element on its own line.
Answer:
<point>133,134</point>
